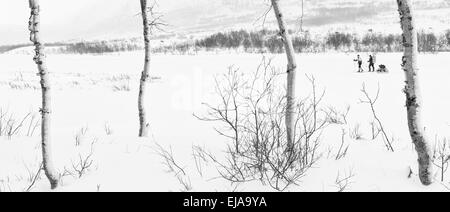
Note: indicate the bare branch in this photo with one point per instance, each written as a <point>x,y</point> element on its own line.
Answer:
<point>343,182</point>
<point>35,178</point>
<point>371,102</point>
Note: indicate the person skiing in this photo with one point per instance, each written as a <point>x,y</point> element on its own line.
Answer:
<point>359,60</point>
<point>371,64</point>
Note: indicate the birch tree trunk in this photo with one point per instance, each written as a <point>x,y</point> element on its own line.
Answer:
<point>412,91</point>
<point>143,124</point>
<point>291,73</point>
<point>39,59</point>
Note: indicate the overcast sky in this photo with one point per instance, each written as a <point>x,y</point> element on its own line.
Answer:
<point>71,19</point>
<point>103,19</point>
<point>74,19</point>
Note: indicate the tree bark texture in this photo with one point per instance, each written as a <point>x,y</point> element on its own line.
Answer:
<point>143,123</point>
<point>412,91</point>
<point>39,59</point>
<point>291,73</point>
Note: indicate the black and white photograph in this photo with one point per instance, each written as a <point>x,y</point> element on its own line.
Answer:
<point>224,96</point>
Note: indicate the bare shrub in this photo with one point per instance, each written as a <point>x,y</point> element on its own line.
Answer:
<point>355,132</point>
<point>121,82</point>
<point>80,135</point>
<point>33,177</point>
<point>329,152</point>
<point>200,158</point>
<point>125,86</point>
<point>442,156</point>
<point>169,160</point>
<point>371,101</point>
<point>34,123</point>
<point>336,116</point>
<point>12,126</point>
<point>251,113</point>
<point>343,148</point>
<point>375,129</point>
<point>22,86</point>
<point>82,164</point>
<point>173,167</point>
<point>5,186</point>
<point>119,78</point>
<point>343,181</point>
<point>185,182</point>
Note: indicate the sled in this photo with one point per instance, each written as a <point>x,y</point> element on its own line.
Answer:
<point>382,69</point>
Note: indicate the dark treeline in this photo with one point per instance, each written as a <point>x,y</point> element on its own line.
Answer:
<point>269,41</point>
<point>84,47</point>
<point>7,48</point>
<point>259,42</point>
<point>99,47</point>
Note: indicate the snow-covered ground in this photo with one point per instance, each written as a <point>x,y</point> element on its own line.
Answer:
<point>95,110</point>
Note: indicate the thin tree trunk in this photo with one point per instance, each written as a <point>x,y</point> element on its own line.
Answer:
<point>412,91</point>
<point>39,59</point>
<point>143,124</point>
<point>291,73</point>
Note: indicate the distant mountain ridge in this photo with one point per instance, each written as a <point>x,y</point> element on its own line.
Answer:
<point>114,19</point>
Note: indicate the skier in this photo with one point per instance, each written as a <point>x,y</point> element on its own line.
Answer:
<point>371,64</point>
<point>359,60</point>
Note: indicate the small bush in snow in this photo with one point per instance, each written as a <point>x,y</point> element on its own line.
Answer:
<point>251,113</point>
<point>336,116</point>
<point>122,87</point>
<point>11,126</point>
<point>355,132</point>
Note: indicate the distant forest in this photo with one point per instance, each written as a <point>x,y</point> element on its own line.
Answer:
<point>261,41</point>
<point>269,41</point>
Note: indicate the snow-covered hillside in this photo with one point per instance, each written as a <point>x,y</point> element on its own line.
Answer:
<point>109,19</point>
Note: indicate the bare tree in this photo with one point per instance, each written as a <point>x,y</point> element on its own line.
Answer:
<point>412,91</point>
<point>143,123</point>
<point>291,73</point>
<point>150,20</point>
<point>39,59</point>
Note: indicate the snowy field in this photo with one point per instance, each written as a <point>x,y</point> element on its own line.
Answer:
<point>95,111</point>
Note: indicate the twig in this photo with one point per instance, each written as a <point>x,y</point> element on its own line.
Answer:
<point>372,101</point>
<point>35,178</point>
